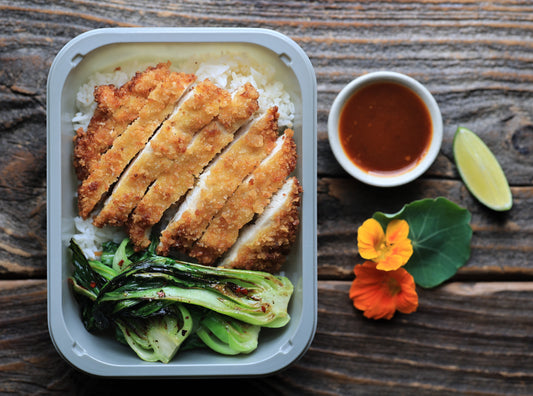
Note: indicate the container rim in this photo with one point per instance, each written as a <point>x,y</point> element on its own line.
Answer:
<point>64,62</point>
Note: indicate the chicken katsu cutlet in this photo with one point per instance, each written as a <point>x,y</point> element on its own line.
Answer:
<point>195,110</point>
<point>265,244</point>
<point>115,109</point>
<point>203,159</point>
<point>220,179</point>
<point>159,105</point>
<point>171,185</point>
<point>250,199</point>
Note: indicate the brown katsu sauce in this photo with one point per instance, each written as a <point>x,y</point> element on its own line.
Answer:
<point>385,128</point>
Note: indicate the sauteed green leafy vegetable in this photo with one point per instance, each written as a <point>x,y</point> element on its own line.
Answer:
<point>158,305</point>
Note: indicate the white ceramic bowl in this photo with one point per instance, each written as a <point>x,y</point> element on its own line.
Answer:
<point>386,180</point>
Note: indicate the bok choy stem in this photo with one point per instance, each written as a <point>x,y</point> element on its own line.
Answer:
<point>254,297</point>
<point>156,303</point>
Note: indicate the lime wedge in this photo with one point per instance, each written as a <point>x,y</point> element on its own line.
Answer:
<point>480,171</point>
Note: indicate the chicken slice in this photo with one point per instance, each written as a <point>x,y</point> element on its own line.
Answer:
<point>218,182</point>
<point>265,244</point>
<point>180,177</point>
<point>116,108</point>
<point>249,199</point>
<point>195,110</point>
<point>158,107</point>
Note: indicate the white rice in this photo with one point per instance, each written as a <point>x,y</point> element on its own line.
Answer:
<point>228,71</point>
<point>232,71</point>
<point>90,238</point>
<point>85,103</point>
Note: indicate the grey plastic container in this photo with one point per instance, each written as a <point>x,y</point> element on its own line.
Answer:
<point>102,49</point>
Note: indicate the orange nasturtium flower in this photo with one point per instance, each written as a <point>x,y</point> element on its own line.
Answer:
<point>390,249</point>
<point>380,293</point>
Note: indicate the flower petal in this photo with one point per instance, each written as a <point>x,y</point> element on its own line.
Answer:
<point>370,238</point>
<point>384,308</point>
<point>398,256</point>
<point>390,263</point>
<point>407,300</point>
<point>380,293</point>
<point>397,230</point>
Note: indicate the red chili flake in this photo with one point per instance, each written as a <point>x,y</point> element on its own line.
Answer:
<point>241,290</point>
<point>93,284</point>
<point>120,263</point>
<point>263,308</point>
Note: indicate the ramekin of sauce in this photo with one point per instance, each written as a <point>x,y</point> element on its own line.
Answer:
<point>385,128</point>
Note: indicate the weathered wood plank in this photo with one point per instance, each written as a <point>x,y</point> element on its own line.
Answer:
<point>465,337</point>
<point>29,362</point>
<point>501,242</point>
<point>457,341</point>
<point>475,61</point>
<point>475,57</point>
<point>22,163</point>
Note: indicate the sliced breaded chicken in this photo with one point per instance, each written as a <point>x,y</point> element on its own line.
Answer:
<point>171,185</point>
<point>194,111</point>
<point>160,104</point>
<point>115,109</point>
<point>265,244</point>
<point>249,199</point>
<point>220,179</point>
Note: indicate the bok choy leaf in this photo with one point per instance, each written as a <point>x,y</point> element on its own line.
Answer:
<point>251,296</point>
<point>157,305</point>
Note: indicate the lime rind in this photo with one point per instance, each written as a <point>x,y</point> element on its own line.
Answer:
<point>480,171</point>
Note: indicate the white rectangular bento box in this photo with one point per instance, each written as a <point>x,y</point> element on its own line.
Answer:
<point>104,49</point>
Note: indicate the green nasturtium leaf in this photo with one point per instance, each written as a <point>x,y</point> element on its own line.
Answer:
<point>440,233</point>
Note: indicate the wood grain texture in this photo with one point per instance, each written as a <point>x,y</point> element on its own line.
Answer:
<point>501,242</point>
<point>446,347</point>
<point>470,336</point>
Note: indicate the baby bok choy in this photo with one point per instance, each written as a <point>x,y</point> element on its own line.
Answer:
<point>158,305</point>
<point>157,338</point>
<point>226,335</point>
<point>253,297</point>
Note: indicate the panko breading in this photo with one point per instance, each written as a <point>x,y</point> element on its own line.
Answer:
<point>218,182</point>
<point>264,245</point>
<point>163,146</point>
<point>115,109</point>
<point>250,199</point>
<point>160,104</point>
<point>192,113</point>
<point>180,177</point>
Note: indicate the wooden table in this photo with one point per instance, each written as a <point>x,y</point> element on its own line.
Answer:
<point>472,335</point>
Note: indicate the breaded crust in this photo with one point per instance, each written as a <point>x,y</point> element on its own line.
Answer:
<point>180,177</point>
<point>200,154</point>
<point>110,165</point>
<point>265,245</point>
<point>193,112</point>
<point>115,109</point>
<point>250,199</point>
<point>218,182</point>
